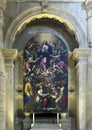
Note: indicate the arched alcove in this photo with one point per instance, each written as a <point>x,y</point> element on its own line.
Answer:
<point>31,22</point>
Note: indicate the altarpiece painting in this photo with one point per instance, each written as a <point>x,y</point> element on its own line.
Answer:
<point>45,79</point>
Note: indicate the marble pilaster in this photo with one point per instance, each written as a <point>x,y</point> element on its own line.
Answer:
<point>2,94</point>
<point>89,93</point>
<point>9,57</point>
<point>81,56</point>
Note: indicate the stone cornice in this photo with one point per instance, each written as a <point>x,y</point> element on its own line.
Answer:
<point>60,1</point>
<point>81,56</point>
<point>10,54</point>
<point>82,52</point>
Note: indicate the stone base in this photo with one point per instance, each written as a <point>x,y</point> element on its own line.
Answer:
<point>26,124</point>
<point>65,123</point>
<point>18,124</point>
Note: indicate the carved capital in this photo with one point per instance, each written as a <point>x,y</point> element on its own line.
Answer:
<point>82,52</point>
<point>2,4</point>
<point>81,56</point>
<point>10,54</point>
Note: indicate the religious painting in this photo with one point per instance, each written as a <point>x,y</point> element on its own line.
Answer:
<point>45,74</point>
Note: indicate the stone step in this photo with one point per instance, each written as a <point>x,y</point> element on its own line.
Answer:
<point>43,126</point>
<point>46,120</point>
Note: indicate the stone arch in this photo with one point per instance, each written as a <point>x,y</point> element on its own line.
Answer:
<point>54,13</point>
